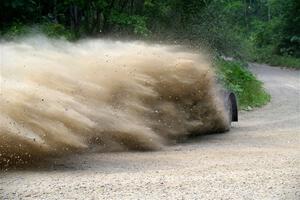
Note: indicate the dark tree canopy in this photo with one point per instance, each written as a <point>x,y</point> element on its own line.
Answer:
<point>226,26</point>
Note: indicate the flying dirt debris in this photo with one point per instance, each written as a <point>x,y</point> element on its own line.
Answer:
<point>97,95</point>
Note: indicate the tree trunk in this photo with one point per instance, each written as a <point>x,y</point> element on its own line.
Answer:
<point>269,11</point>
<point>245,13</point>
<point>106,16</point>
<point>74,18</point>
<point>55,11</point>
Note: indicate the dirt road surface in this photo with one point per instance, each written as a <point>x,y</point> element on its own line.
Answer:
<point>258,159</point>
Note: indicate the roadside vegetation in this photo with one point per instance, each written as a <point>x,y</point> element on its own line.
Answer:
<point>237,78</point>
<point>265,31</point>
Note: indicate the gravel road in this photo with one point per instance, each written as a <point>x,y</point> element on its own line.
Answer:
<point>258,159</point>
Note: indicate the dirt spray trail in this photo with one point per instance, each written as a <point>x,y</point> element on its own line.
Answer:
<point>59,97</point>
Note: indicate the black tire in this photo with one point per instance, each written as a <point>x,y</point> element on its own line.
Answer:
<point>231,108</point>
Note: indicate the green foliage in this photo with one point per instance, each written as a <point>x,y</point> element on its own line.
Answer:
<point>214,31</point>
<point>237,78</point>
<point>284,61</point>
<point>264,34</point>
<point>125,21</point>
<point>54,30</point>
<point>290,42</point>
<point>259,30</point>
<point>194,22</point>
<point>266,55</point>
<point>51,30</point>
<point>15,30</point>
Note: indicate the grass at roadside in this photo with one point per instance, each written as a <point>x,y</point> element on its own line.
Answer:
<point>237,78</point>
<point>281,61</point>
<point>265,55</point>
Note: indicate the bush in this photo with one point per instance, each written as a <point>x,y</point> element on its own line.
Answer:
<point>15,30</point>
<point>55,30</point>
<point>237,78</point>
<point>285,61</point>
<point>52,30</point>
<point>266,55</point>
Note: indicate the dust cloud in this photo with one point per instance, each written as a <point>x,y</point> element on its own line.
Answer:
<point>96,95</point>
